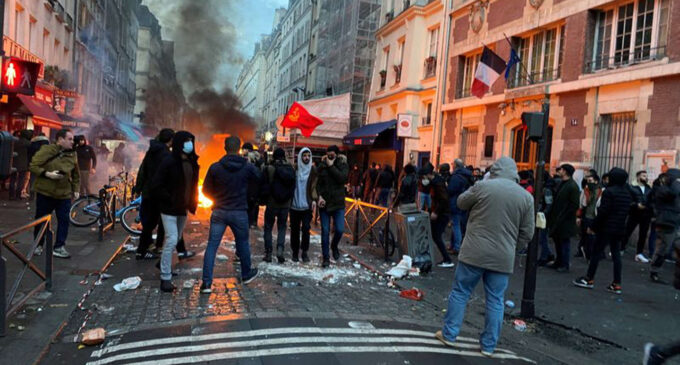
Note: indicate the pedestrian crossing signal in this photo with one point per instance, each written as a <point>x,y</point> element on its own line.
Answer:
<point>18,76</point>
<point>533,123</point>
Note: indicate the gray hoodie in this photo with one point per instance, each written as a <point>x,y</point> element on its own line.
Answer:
<point>501,217</point>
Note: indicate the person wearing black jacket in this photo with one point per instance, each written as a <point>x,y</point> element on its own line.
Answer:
<point>354,181</point>
<point>667,221</point>
<point>409,186</point>
<point>19,178</point>
<point>87,163</point>
<point>640,215</point>
<point>149,212</point>
<point>175,187</point>
<point>252,157</point>
<point>611,216</point>
<point>227,183</point>
<point>384,185</point>
<point>369,181</point>
<point>440,210</point>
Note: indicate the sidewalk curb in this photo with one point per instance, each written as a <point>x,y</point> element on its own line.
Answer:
<point>61,327</point>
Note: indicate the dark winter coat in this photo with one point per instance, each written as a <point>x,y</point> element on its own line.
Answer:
<point>562,216</point>
<point>227,181</point>
<point>20,160</point>
<point>460,181</point>
<point>641,198</point>
<point>354,177</point>
<point>408,188</point>
<point>331,183</point>
<point>369,178</point>
<point>169,185</point>
<point>53,158</point>
<point>440,197</point>
<point>156,153</point>
<point>667,202</point>
<point>87,159</point>
<point>614,205</point>
<point>269,172</point>
<point>385,179</point>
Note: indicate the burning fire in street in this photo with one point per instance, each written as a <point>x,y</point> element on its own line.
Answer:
<point>203,201</point>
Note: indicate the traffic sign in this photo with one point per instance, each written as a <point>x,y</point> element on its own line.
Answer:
<point>18,76</point>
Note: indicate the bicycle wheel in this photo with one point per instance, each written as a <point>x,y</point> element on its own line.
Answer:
<point>85,211</point>
<point>131,220</point>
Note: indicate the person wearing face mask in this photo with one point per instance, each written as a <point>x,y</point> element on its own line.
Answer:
<point>586,215</point>
<point>303,204</point>
<point>175,187</point>
<point>562,217</point>
<point>611,216</point>
<point>58,180</point>
<point>640,215</point>
<point>440,211</point>
<point>330,186</point>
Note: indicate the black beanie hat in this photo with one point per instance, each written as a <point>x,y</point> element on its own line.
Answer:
<point>279,154</point>
<point>333,148</point>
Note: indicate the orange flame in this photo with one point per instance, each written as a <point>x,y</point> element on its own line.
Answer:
<point>203,201</point>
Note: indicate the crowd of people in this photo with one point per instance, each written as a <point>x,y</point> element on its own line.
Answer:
<point>491,213</point>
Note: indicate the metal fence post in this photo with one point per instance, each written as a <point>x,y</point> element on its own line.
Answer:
<point>113,215</point>
<point>49,242</point>
<point>355,234</point>
<point>386,234</point>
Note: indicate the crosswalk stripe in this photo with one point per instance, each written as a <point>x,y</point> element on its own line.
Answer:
<point>319,349</point>
<point>278,341</point>
<point>266,332</point>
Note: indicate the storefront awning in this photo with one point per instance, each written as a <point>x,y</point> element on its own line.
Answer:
<point>367,134</point>
<point>43,115</point>
<point>131,132</point>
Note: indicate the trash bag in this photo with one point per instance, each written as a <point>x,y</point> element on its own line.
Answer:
<point>402,268</point>
<point>423,262</point>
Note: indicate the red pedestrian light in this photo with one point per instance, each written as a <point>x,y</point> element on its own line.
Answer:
<point>19,76</point>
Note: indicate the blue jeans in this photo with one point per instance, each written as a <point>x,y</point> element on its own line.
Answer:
<point>465,281</point>
<point>237,220</point>
<point>425,201</point>
<point>338,226</point>
<point>281,217</point>
<point>383,197</point>
<point>456,233</point>
<point>45,205</point>
<point>543,242</point>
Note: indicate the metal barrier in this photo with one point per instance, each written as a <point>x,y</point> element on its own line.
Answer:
<point>6,306</point>
<point>107,210</point>
<point>372,221</point>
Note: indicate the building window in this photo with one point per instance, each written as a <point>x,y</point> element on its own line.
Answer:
<point>541,55</point>
<point>614,141</point>
<point>399,63</point>
<point>431,59</point>
<point>427,119</point>
<point>469,68</point>
<point>630,33</point>
<point>383,72</point>
<point>468,146</point>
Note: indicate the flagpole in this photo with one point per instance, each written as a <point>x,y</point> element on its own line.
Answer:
<point>521,63</point>
<point>294,143</point>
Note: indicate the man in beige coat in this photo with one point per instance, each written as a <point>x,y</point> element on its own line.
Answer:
<point>501,217</point>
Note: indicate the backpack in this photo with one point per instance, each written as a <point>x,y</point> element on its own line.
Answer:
<point>282,186</point>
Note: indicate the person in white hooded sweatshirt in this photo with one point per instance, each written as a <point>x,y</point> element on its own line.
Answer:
<point>303,204</point>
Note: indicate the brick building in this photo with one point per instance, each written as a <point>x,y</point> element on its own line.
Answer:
<point>610,69</point>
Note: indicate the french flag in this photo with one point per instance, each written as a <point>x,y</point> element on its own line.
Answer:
<point>490,67</point>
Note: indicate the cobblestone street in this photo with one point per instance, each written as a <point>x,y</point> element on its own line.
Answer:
<point>289,295</point>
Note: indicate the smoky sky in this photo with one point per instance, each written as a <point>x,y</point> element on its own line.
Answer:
<point>205,41</point>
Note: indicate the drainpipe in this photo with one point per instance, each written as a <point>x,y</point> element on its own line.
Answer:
<point>441,88</point>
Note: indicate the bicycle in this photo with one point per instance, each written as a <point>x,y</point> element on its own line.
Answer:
<point>87,210</point>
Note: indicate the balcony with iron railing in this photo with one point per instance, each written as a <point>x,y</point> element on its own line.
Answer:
<point>520,78</point>
<point>626,58</point>
<point>426,121</point>
<point>383,79</point>
<point>397,74</point>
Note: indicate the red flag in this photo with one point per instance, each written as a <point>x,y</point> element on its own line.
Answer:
<point>299,117</point>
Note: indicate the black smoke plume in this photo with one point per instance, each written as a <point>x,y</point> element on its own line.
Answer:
<point>206,60</point>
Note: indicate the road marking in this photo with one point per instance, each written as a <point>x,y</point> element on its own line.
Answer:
<point>266,332</point>
<point>319,349</point>
<point>279,341</point>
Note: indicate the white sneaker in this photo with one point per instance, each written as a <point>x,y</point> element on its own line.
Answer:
<point>445,264</point>
<point>641,258</point>
<point>61,253</point>
<point>38,251</point>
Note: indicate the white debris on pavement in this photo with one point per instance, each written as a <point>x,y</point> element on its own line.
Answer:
<point>331,276</point>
